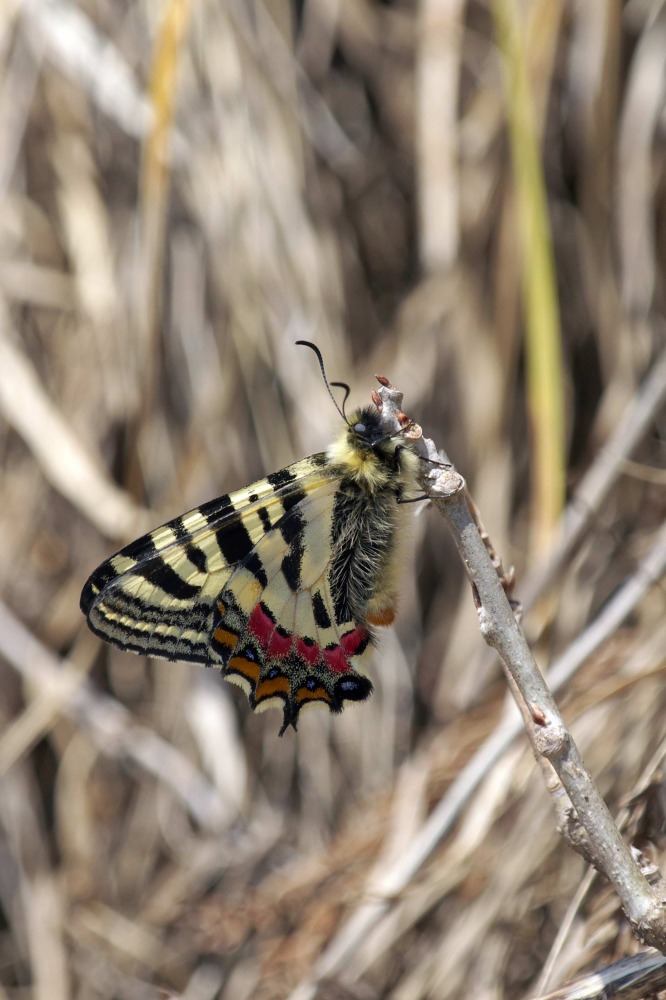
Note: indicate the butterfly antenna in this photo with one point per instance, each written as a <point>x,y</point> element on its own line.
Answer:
<point>342,385</point>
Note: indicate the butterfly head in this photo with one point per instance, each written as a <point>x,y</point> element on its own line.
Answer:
<point>369,455</point>
<point>366,434</point>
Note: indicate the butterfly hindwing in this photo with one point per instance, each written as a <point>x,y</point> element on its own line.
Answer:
<point>285,644</point>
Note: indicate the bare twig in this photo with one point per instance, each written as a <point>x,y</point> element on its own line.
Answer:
<point>550,736</point>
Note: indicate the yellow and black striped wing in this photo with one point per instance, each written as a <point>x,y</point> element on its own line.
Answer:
<point>249,581</point>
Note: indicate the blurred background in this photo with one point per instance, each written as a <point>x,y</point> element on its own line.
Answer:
<point>467,197</point>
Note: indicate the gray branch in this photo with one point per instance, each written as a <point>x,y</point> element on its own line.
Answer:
<point>601,843</point>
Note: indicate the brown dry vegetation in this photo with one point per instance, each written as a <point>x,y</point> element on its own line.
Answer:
<point>186,191</point>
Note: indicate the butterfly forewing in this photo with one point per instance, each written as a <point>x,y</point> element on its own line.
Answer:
<point>187,561</point>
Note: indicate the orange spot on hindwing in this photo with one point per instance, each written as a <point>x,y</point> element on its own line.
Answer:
<point>272,687</point>
<point>247,668</point>
<point>226,639</point>
<point>316,694</point>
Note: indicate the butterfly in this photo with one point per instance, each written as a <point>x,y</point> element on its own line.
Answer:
<point>281,584</point>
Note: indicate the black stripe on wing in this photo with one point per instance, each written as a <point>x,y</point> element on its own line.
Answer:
<point>187,539</point>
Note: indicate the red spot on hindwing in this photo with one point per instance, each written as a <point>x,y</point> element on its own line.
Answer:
<point>279,644</point>
<point>308,651</point>
<point>263,628</point>
<point>336,660</point>
<point>355,641</point>
<point>337,657</point>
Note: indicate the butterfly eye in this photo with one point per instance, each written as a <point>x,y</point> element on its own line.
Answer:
<point>360,428</point>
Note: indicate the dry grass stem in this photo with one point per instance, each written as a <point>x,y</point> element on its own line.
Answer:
<point>187,190</point>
